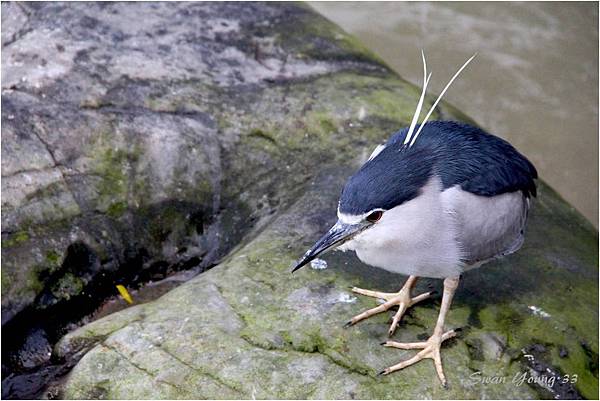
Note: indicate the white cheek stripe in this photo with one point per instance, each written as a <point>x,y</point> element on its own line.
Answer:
<point>355,218</point>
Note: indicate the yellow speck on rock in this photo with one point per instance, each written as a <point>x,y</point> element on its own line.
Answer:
<point>124,293</point>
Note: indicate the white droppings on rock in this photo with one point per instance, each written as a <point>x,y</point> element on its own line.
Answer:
<point>537,311</point>
<point>318,264</point>
<point>362,113</point>
<point>346,298</point>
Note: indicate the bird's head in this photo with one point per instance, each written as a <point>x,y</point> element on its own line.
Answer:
<point>382,184</point>
<point>337,235</point>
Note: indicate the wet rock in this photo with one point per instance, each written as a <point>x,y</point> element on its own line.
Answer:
<point>137,141</point>
<point>37,349</point>
<point>548,380</point>
<point>28,385</point>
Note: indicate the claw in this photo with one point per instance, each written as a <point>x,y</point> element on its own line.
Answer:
<point>429,349</point>
<point>402,299</point>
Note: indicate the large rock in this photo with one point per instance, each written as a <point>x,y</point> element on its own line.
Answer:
<point>250,116</point>
<point>248,328</point>
<point>161,140</point>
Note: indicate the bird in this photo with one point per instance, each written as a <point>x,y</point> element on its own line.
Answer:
<point>436,200</point>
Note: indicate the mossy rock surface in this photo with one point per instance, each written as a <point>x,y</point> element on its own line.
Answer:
<point>249,328</point>
<point>249,118</point>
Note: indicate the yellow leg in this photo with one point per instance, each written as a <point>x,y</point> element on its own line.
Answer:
<point>431,347</point>
<point>401,298</point>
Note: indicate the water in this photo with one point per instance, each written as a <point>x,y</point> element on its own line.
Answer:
<point>346,298</point>
<point>534,81</point>
<point>318,264</point>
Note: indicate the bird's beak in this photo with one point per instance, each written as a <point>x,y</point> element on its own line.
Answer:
<point>336,236</point>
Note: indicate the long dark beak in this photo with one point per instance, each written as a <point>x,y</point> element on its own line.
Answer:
<point>336,236</point>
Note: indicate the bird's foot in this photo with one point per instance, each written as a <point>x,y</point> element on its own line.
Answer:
<point>401,298</point>
<point>429,349</point>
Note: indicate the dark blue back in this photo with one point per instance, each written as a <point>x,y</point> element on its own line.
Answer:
<point>460,154</point>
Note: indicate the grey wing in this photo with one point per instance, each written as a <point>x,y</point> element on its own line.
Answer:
<point>487,226</point>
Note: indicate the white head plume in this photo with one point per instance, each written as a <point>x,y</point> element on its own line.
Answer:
<point>420,104</point>
<point>410,138</point>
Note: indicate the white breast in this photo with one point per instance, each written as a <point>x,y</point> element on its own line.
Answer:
<point>417,237</point>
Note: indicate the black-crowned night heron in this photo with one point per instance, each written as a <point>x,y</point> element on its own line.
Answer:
<point>434,207</point>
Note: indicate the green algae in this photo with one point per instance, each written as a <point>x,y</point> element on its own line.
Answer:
<point>119,185</point>
<point>258,133</point>
<point>33,284</point>
<point>15,239</point>
<point>53,257</point>
<point>67,286</point>
<point>116,209</point>
<point>48,191</point>
<point>307,36</point>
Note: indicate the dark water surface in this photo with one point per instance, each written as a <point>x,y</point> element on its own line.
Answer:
<point>534,81</point>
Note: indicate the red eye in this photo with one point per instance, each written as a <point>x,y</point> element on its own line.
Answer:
<point>375,216</point>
